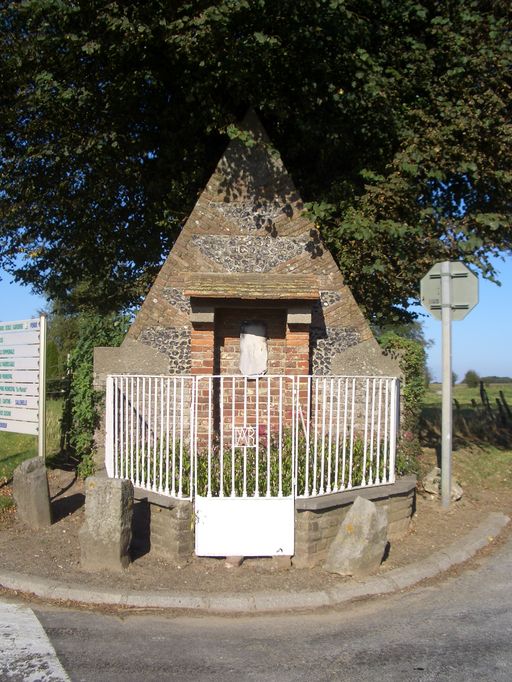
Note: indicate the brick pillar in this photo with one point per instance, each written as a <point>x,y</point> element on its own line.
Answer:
<point>202,348</point>
<point>297,349</point>
<point>202,362</point>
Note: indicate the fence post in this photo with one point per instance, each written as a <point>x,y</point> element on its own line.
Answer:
<point>393,427</point>
<point>193,437</point>
<point>109,427</point>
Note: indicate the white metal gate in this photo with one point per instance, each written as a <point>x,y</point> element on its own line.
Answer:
<point>245,460</point>
<point>243,448</point>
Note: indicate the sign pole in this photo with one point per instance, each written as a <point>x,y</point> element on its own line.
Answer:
<point>41,443</point>
<point>446,447</point>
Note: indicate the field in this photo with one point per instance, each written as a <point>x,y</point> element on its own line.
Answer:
<point>15,447</point>
<point>478,418</point>
<point>465,395</point>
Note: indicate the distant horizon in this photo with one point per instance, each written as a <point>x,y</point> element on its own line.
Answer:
<point>460,380</point>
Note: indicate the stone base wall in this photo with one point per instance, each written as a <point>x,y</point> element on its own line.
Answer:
<point>317,520</point>
<point>171,527</point>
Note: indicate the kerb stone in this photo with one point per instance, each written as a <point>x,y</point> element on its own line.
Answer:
<point>31,494</point>
<point>106,533</point>
<point>359,546</point>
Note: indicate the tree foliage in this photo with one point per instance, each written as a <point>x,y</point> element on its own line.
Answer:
<point>393,117</point>
<point>80,418</point>
<point>471,379</point>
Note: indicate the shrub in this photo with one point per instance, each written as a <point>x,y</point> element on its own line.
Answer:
<point>471,379</point>
<point>81,416</point>
<point>411,359</point>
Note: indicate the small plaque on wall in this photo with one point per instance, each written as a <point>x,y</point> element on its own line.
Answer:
<point>253,348</point>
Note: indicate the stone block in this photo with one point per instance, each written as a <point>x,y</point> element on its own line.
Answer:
<point>361,541</point>
<point>432,485</point>
<point>172,532</point>
<point>31,494</point>
<point>106,533</point>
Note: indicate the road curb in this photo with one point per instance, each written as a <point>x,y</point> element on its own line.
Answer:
<point>265,602</point>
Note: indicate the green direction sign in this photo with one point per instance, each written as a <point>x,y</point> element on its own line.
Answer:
<point>464,291</point>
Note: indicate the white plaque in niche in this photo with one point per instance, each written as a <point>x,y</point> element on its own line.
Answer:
<point>253,348</point>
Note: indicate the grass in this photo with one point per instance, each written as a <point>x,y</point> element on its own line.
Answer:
<point>474,421</point>
<point>16,447</point>
<point>482,437</point>
<point>465,395</point>
<point>478,469</point>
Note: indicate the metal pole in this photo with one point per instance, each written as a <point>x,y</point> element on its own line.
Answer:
<point>446,448</point>
<point>41,443</point>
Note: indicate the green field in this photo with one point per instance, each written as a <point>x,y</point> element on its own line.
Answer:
<point>15,447</point>
<point>464,395</point>
<point>477,421</point>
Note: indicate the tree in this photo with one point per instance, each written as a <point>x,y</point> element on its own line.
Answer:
<point>471,379</point>
<point>454,378</point>
<point>392,117</point>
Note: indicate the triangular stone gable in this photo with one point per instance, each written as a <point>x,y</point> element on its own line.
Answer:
<point>250,219</point>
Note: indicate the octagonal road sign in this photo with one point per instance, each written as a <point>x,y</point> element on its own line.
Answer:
<point>464,291</point>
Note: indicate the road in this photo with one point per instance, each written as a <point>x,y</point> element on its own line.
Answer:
<point>458,629</point>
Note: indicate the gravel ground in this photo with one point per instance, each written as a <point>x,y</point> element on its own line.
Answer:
<point>55,553</point>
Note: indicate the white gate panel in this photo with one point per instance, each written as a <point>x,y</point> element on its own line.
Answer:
<point>227,526</point>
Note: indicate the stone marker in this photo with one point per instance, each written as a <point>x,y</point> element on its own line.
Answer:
<point>359,546</point>
<point>31,494</point>
<point>106,533</point>
<point>432,485</point>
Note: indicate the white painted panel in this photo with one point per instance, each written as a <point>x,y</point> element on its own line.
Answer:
<point>253,349</point>
<point>19,390</point>
<point>18,338</point>
<point>22,351</point>
<point>18,413</point>
<point>19,377</point>
<point>228,526</point>
<point>9,363</point>
<point>20,326</point>
<point>13,426</point>
<point>18,400</point>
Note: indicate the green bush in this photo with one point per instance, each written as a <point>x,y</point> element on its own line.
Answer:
<point>81,415</point>
<point>244,466</point>
<point>411,358</point>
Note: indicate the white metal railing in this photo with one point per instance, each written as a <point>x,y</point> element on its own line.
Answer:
<point>235,436</point>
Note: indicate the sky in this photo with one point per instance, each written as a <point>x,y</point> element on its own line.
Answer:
<point>482,341</point>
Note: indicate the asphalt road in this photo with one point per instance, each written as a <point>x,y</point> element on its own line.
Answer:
<point>458,629</point>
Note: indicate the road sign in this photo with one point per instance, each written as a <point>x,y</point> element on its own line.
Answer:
<point>22,378</point>
<point>464,291</point>
<point>449,291</point>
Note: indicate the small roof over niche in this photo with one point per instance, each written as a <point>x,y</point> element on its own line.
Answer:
<point>252,286</point>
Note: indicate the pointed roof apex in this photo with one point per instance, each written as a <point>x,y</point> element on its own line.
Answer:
<point>251,167</point>
<point>251,123</point>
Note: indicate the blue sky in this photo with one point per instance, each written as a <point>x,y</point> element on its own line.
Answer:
<point>482,341</point>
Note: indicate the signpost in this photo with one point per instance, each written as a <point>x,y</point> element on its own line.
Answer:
<point>23,378</point>
<point>449,291</point>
